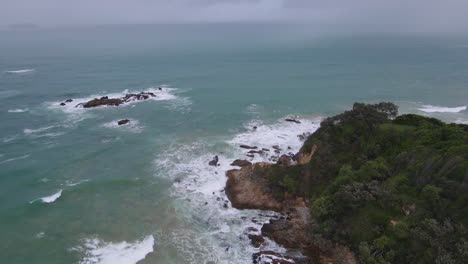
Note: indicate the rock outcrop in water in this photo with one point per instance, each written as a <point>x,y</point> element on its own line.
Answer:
<point>123,122</point>
<point>106,101</point>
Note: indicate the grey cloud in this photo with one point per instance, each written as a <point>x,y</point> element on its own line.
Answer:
<point>397,15</point>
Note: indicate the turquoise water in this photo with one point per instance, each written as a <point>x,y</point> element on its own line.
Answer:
<point>144,192</point>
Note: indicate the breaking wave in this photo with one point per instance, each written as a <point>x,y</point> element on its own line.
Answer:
<point>49,199</point>
<point>441,109</point>
<point>100,252</point>
<point>20,71</point>
<point>221,233</point>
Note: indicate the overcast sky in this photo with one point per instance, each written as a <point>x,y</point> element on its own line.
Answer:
<point>423,15</point>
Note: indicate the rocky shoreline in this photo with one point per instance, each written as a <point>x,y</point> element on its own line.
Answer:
<point>249,188</point>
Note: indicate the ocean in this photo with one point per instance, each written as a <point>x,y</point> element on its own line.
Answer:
<point>75,187</point>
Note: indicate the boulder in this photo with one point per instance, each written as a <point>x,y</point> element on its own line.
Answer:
<point>248,147</point>
<point>68,100</point>
<point>285,160</point>
<point>293,120</point>
<point>123,122</point>
<point>256,240</point>
<point>241,163</point>
<point>214,161</point>
<point>62,104</point>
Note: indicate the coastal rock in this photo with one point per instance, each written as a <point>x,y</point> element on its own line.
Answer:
<point>304,157</point>
<point>293,120</point>
<point>241,163</point>
<point>68,100</point>
<point>248,147</point>
<point>123,122</point>
<point>246,190</point>
<point>303,136</point>
<point>285,160</point>
<point>256,240</point>
<point>214,162</point>
<point>62,104</point>
<point>106,101</point>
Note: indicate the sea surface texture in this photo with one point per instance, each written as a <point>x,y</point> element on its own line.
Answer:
<point>75,187</point>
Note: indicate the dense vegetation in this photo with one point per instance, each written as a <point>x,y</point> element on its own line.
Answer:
<point>392,188</point>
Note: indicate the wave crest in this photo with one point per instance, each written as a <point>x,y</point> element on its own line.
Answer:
<point>441,109</point>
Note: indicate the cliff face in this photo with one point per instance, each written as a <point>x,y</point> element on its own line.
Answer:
<point>392,189</point>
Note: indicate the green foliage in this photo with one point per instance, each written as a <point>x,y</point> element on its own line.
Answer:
<point>393,188</point>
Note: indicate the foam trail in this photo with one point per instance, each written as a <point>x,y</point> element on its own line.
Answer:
<point>19,110</point>
<point>441,109</point>
<point>13,159</point>
<point>50,199</point>
<point>20,71</point>
<point>71,184</point>
<point>99,252</point>
<point>28,131</point>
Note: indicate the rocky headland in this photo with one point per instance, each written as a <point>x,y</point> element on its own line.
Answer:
<point>249,188</point>
<point>369,186</point>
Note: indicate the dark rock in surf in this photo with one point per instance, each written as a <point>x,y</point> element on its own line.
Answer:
<point>256,240</point>
<point>293,120</point>
<point>106,101</point>
<point>62,104</point>
<point>248,147</point>
<point>214,162</point>
<point>123,122</point>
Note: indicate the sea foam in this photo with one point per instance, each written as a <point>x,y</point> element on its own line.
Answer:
<point>20,71</point>
<point>441,109</point>
<point>76,114</point>
<point>99,252</point>
<point>18,110</point>
<point>16,158</point>
<point>49,199</point>
<point>200,187</point>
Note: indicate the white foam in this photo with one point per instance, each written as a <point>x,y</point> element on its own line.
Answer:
<point>76,114</point>
<point>200,187</point>
<point>52,198</point>
<point>441,109</point>
<point>99,252</point>
<point>132,126</point>
<point>21,71</point>
<point>28,131</point>
<point>18,110</point>
<point>71,183</point>
<point>283,134</point>
<point>16,158</point>
<point>49,199</point>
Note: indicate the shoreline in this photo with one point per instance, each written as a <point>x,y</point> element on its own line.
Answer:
<point>247,188</point>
